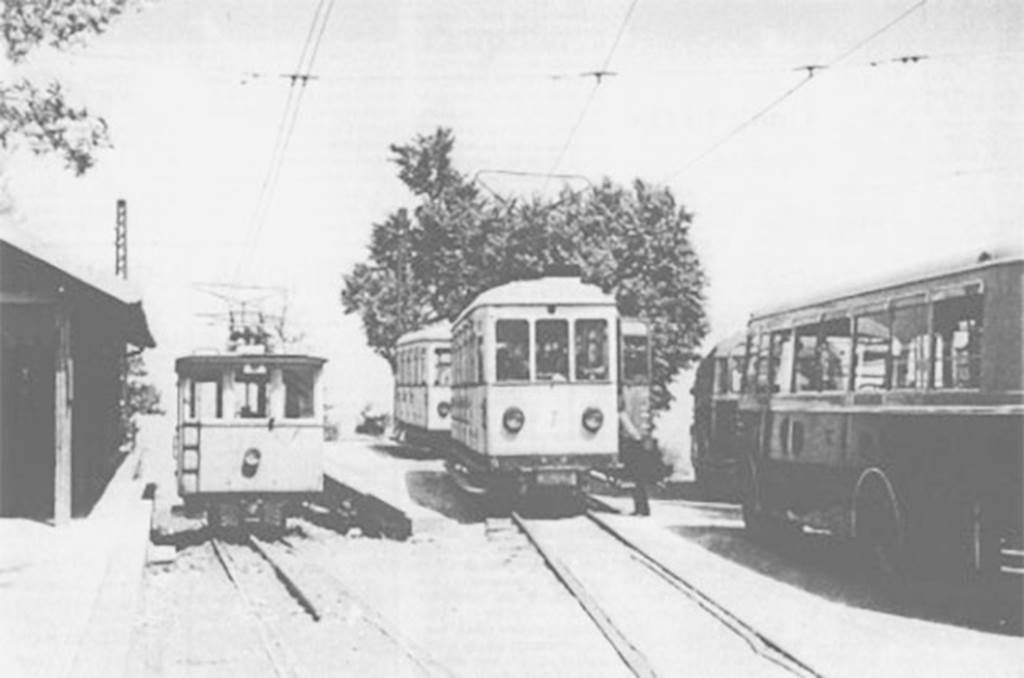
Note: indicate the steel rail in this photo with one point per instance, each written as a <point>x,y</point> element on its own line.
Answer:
<point>758,641</point>
<point>285,577</point>
<point>272,646</point>
<point>634,659</point>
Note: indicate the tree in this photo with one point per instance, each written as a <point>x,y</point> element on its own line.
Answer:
<point>140,397</point>
<point>634,242</point>
<point>40,116</point>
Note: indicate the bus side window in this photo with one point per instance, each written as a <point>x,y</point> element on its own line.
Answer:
<point>807,363</point>
<point>781,361</point>
<point>757,372</point>
<point>836,344</point>
<point>871,351</point>
<point>956,341</point>
<point>910,346</point>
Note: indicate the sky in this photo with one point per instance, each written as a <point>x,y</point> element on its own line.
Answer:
<point>861,172</point>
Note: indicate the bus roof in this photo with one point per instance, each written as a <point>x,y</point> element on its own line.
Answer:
<point>916,277</point>
<point>439,331</point>
<point>551,291</point>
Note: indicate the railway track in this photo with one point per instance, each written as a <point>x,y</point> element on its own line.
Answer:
<point>614,581</point>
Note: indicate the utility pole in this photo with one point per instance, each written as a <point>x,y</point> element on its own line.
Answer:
<point>121,240</point>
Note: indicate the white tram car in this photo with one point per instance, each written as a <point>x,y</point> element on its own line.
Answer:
<point>534,386</point>
<point>249,436</point>
<point>423,391</point>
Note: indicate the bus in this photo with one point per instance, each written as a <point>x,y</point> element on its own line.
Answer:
<point>891,414</point>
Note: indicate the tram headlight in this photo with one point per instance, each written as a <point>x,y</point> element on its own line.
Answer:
<point>443,408</point>
<point>593,418</point>
<point>251,462</point>
<point>513,420</point>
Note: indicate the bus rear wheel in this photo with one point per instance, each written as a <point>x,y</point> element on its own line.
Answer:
<point>878,528</point>
<point>759,520</point>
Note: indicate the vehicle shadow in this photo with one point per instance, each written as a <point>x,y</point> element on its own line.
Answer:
<point>405,451</point>
<point>437,491</point>
<point>832,569</point>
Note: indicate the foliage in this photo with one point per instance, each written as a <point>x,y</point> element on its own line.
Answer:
<point>41,116</point>
<point>632,241</point>
<point>140,397</point>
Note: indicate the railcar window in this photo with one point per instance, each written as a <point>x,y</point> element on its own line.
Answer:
<point>442,366</point>
<point>871,352</point>
<point>299,389</point>
<point>834,350</point>
<point>910,346</point>
<point>552,341</point>
<point>251,392</point>
<point>808,365</point>
<point>781,361</point>
<point>591,350</point>
<point>512,350</point>
<point>634,354</point>
<point>957,341</point>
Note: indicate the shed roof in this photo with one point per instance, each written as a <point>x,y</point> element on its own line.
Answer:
<point>551,290</point>
<point>109,288</point>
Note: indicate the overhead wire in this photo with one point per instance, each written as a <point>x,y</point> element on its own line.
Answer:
<point>299,78</point>
<point>598,79</point>
<point>811,70</point>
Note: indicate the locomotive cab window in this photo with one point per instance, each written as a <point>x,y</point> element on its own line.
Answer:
<point>591,350</point>
<point>956,341</point>
<point>205,398</point>
<point>552,341</point>
<point>512,350</point>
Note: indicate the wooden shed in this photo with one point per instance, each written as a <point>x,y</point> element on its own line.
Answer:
<point>65,332</point>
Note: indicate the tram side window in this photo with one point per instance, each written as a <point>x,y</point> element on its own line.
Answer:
<point>552,341</point>
<point>591,350</point>
<point>910,346</point>
<point>835,348</point>
<point>205,400</point>
<point>957,341</point>
<point>781,361</point>
<point>442,367</point>
<point>870,367</point>
<point>634,354</point>
<point>807,363</point>
<point>512,350</point>
<point>251,393</point>
<point>299,388</point>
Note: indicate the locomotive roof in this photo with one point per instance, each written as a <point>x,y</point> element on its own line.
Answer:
<point>216,360</point>
<point>551,290</point>
<point>891,284</point>
<point>439,331</point>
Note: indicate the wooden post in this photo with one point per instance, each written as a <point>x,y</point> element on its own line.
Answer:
<point>63,391</point>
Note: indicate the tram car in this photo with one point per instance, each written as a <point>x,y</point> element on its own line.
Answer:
<point>891,414</point>
<point>534,404</point>
<point>423,391</point>
<point>249,436</point>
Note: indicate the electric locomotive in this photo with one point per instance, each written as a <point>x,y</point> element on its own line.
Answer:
<point>534,389</point>
<point>249,436</point>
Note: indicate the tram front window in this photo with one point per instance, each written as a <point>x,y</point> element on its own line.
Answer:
<point>251,392</point>
<point>512,350</point>
<point>552,338</point>
<point>591,350</point>
<point>442,367</point>
<point>205,399</point>
<point>299,386</point>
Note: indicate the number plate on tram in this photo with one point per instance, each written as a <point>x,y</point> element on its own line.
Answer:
<point>556,477</point>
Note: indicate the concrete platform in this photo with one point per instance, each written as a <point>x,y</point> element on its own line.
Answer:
<point>395,480</point>
<point>69,595</point>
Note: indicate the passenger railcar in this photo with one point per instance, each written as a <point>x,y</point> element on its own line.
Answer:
<point>893,415</point>
<point>249,435</point>
<point>423,385</point>
<point>534,404</point>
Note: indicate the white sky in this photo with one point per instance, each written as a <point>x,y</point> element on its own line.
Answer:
<point>860,173</point>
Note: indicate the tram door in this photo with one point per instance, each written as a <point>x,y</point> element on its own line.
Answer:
<point>635,373</point>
